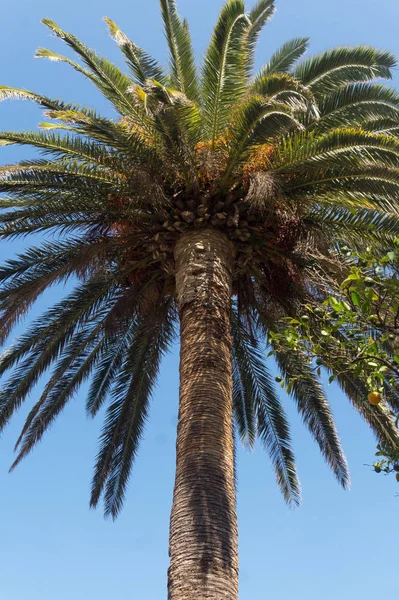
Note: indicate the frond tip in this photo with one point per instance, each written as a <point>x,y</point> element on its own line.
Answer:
<point>254,390</point>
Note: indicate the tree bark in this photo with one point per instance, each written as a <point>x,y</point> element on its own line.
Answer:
<point>203,545</point>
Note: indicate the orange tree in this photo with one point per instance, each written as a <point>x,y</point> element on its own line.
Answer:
<point>354,334</point>
<point>213,206</point>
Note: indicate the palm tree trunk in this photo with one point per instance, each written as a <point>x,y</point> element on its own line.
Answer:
<point>203,543</point>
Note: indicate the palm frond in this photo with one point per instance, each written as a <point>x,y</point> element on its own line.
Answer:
<point>281,87</point>
<point>224,76</point>
<point>342,149</point>
<point>260,399</point>
<point>182,61</point>
<point>55,174</point>
<point>372,187</point>
<point>382,125</point>
<point>73,368</point>
<point>335,68</point>
<point>54,57</point>
<point>108,369</point>
<point>258,121</point>
<point>243,403</point>
<point>10,93</point>
<point>177,125</point>
<point>359,226</point>
<point>259,15</point>
<point>315,411</point>
<point>285,57</point>
<point>58,145</point>
<point>106,76</point>
<point>125,137</point>
<point>357,104</point>
<point>141,64</point>
<point>25,279</point>
<point>127,413</point>
<point>38,259</point>
<point>55,327</point>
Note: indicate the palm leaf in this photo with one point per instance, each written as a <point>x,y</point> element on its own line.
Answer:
<point>258,121</point>
<point>141,64</point>
<point>106,76</point>
<point>127,413</point>
<point>360,225</point>
<point>357,104</point>
<point>107,370</point>
<point>259,15</point>
<point>261,399</point>
<point>334,68</point>
<point>54,57</point>
<point>315,411</point>
<point>55,327</point>
<point>59,145</point>
<point>285,57</point>
<point>10,93</point>
<point>182,60</point>
<point>71,371</point>
<point>223,77</point>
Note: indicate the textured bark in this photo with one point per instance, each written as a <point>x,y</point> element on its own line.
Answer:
<point>203,534</point>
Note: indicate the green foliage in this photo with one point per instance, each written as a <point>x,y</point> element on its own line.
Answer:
<point>224,68</point>
<point>334,68</point>
<point>361,104</point>
<point>258,17</point>
<point>389,463</point>
<point>259,411</point>
<point>354,334</point>
<point>285,57</point>
<point>294,164</point>
<point>183,69</point>
<point>313,406</point>
<point>141,64</point>
<point>126,415</point>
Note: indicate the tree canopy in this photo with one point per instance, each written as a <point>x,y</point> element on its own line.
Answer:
<point>294,164</point>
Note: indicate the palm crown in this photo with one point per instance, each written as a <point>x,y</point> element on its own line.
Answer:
<point>290,163</point>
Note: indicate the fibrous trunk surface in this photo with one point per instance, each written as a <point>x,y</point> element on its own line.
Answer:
<point>203,535</point>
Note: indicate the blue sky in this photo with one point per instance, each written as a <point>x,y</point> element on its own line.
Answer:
<point>338,544</point>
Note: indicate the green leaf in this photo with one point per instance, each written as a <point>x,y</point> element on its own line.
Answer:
<point>141,64</point>
<point>106,76</point>
<point>182,60</point>
<point>352,277</point>
<point>315,411</point>
<point>283,60</point>
<point>374,107</point>
<point>257,121</point>
<point>254,396</point>
<point>224,71</point>
<point>258,17</point>
<point>333,68</point>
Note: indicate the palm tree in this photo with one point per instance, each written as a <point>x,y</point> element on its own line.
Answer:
<point>213,201</point>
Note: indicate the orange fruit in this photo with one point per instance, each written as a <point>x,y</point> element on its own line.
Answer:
<point>374,398</point>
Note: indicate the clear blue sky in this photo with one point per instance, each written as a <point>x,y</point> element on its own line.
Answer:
<point>338,544</point>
